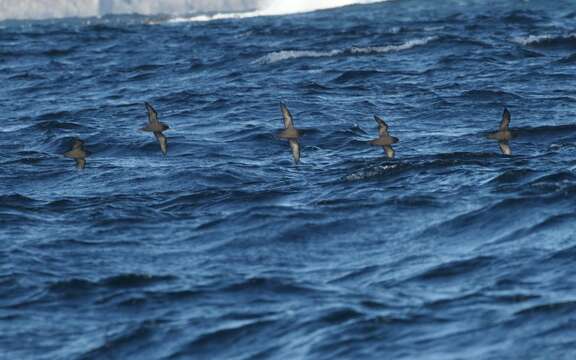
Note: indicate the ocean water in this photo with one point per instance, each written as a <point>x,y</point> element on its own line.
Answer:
<point>226,249</point>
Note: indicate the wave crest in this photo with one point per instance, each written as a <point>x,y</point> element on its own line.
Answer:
<point>297,54</point>
<point>547,40</point>
<point>278,7</point>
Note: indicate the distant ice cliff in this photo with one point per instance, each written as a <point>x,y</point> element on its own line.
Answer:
<point>48,9</point>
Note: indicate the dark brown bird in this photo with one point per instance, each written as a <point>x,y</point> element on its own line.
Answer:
<point>155,126</point>
<point>290,133</point>
<point>503,135</point>
<point>384,139</point>
<point>78,153</point>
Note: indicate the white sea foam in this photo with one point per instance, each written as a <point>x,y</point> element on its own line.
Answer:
<point>279,7</point>
<point>384,49</point>
<point>369,173</point>
<point>46,9</point>
<point>295,54</point>
<point>538,39</point>
<point>527,40</point>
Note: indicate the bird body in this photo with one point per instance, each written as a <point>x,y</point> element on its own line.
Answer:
<point>290,133</point>
<point>78,153</point>
<point>384,139</point>
<point>503,135</point>
<point>155,126</point>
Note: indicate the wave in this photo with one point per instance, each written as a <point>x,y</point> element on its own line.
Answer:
<point>122,281</point>
<point>568,59</point>
<point>297,54</point>
<point>220,9</point>
<point>547,40</point>
<point>370,173</point>
<point>457,268</point>
<point>276,8</point>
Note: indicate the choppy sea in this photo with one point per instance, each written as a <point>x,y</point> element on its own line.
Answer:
<point>226,249</point>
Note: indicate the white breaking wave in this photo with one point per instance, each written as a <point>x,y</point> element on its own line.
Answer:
<point>369,173</point>
<point>295,54</point>
<point>528,40</point>
<point>280,7</point>
<point>49,9</point>
<point>538,39</point>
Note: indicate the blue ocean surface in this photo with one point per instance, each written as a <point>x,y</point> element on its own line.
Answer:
<point>227,249</point>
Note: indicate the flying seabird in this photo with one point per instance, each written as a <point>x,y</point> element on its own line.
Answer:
<point>78,153</point>
<point>154,125</point>
<point>384,139</point>
<point>503,135</point>
<point>290,132</point>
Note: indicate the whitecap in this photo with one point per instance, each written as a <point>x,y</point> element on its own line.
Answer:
<point>538,39</point>
<point>296,54</point>
<point>276,8</point>
<point>369,173</point>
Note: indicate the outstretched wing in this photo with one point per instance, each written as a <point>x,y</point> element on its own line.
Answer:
<point>382,126</point>
<point>505,148</point>
<point>288,120</point>
<point>505,120</point>
<point>152,114</point>
<point>80,163</point>
<point>74,153</point>
<point>389,151</point>
<point>295,146</point>
<point>78,144</point>
<point>163,141</point>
